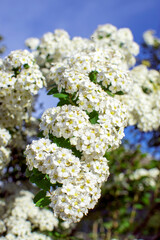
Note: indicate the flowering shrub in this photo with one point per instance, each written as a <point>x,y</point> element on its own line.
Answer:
<point>99,95</point>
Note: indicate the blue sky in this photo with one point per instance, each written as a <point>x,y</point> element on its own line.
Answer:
<point>21,19</point>
<point>32,18</point>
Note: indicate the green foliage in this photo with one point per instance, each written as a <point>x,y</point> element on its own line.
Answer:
<point>61,95</point>
<point>93,117</point>
<point>26,66</point>
<point>62,142</point>
<point>43,182</point>
<point>43,202</point>
<point>40,180</point>
<point>39,196</point>
<point>127,205</point>
<point>109,93</point>
<point>93,76</point>
<point>53,91</point>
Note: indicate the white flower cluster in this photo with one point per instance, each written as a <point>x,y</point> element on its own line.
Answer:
<point>4,152</point>
<point>74,74</point>
<point>55,47</point>
<point>87,75</point>
<point>143,99</point>
<point>81,178</point>
<point>147,177</point>
<point>4,137</point>
<point>20,79</point>
<point>32,43</point>
<point>70,122</point>
<point>142,172</point>
<point>21,218</point>
<point>121,39</point>
<point>59,163</point>
<point>150,39</point>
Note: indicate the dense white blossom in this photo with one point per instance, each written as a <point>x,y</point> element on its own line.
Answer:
<point>81,179</point>
<point>4,137</point>
<point>121,39</point>
<point>32,43</point>
<point>143,99</point>
<point>89,75</point>
<point>20,218</point>
<point>20,79</point>
<point>150,39</point>
<point>59,163</point>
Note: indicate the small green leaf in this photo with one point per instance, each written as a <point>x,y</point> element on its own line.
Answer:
<point>63,101</point>
<point>62,142</point>
<point>93,117</point>
<point>53,91</point>
<point>120,93</point>
<point>108,225</point>
<point>121,44</point>
<point>138,206</point>
<point>28,173</point>
<point>108,35</point>
<point>110,93</point>
<point>35,178</point>
<point>26,66</point>
<point>50,60</point>
<point>43,202</point>
<point>39,195</point>
<point>40,134</point>
<point>60,95</point>
<point>93,76</point>
<point>146,90</point>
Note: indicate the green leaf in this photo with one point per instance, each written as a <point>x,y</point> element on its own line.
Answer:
<point>138,206</point>
<point>62,142</point>
<point>28,173</point>
<point>146,198</point>
<point>50,60</point>
<point>53,91</point>
<point>26,66</point>
<point>108,225</point>
<point>40,134</point>
<point>39,196</point>
<point>146,90</point>
<point>60,95</point>
<point>63,102</point>
<point>121,44</point>
<point>120,93</point>
<point>93,76</point>
<point>40,180</point>
<point>93,117</point>
<point>43,202</point>
<point>124,226</point>
<point>110,93</point>
<point>44,184</point>
<point>36,177</point>
<point>108,35</point>
<point>100,37</point>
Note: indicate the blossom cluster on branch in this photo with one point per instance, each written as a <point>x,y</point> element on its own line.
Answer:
<point>89,118</point>
<point>20,218</point>
<point>99,95</point>
<point>4,151</point>
<point>20,80</point>
<point>143,99</point>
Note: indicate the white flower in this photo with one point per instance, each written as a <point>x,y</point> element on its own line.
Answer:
<point>32,43</point>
